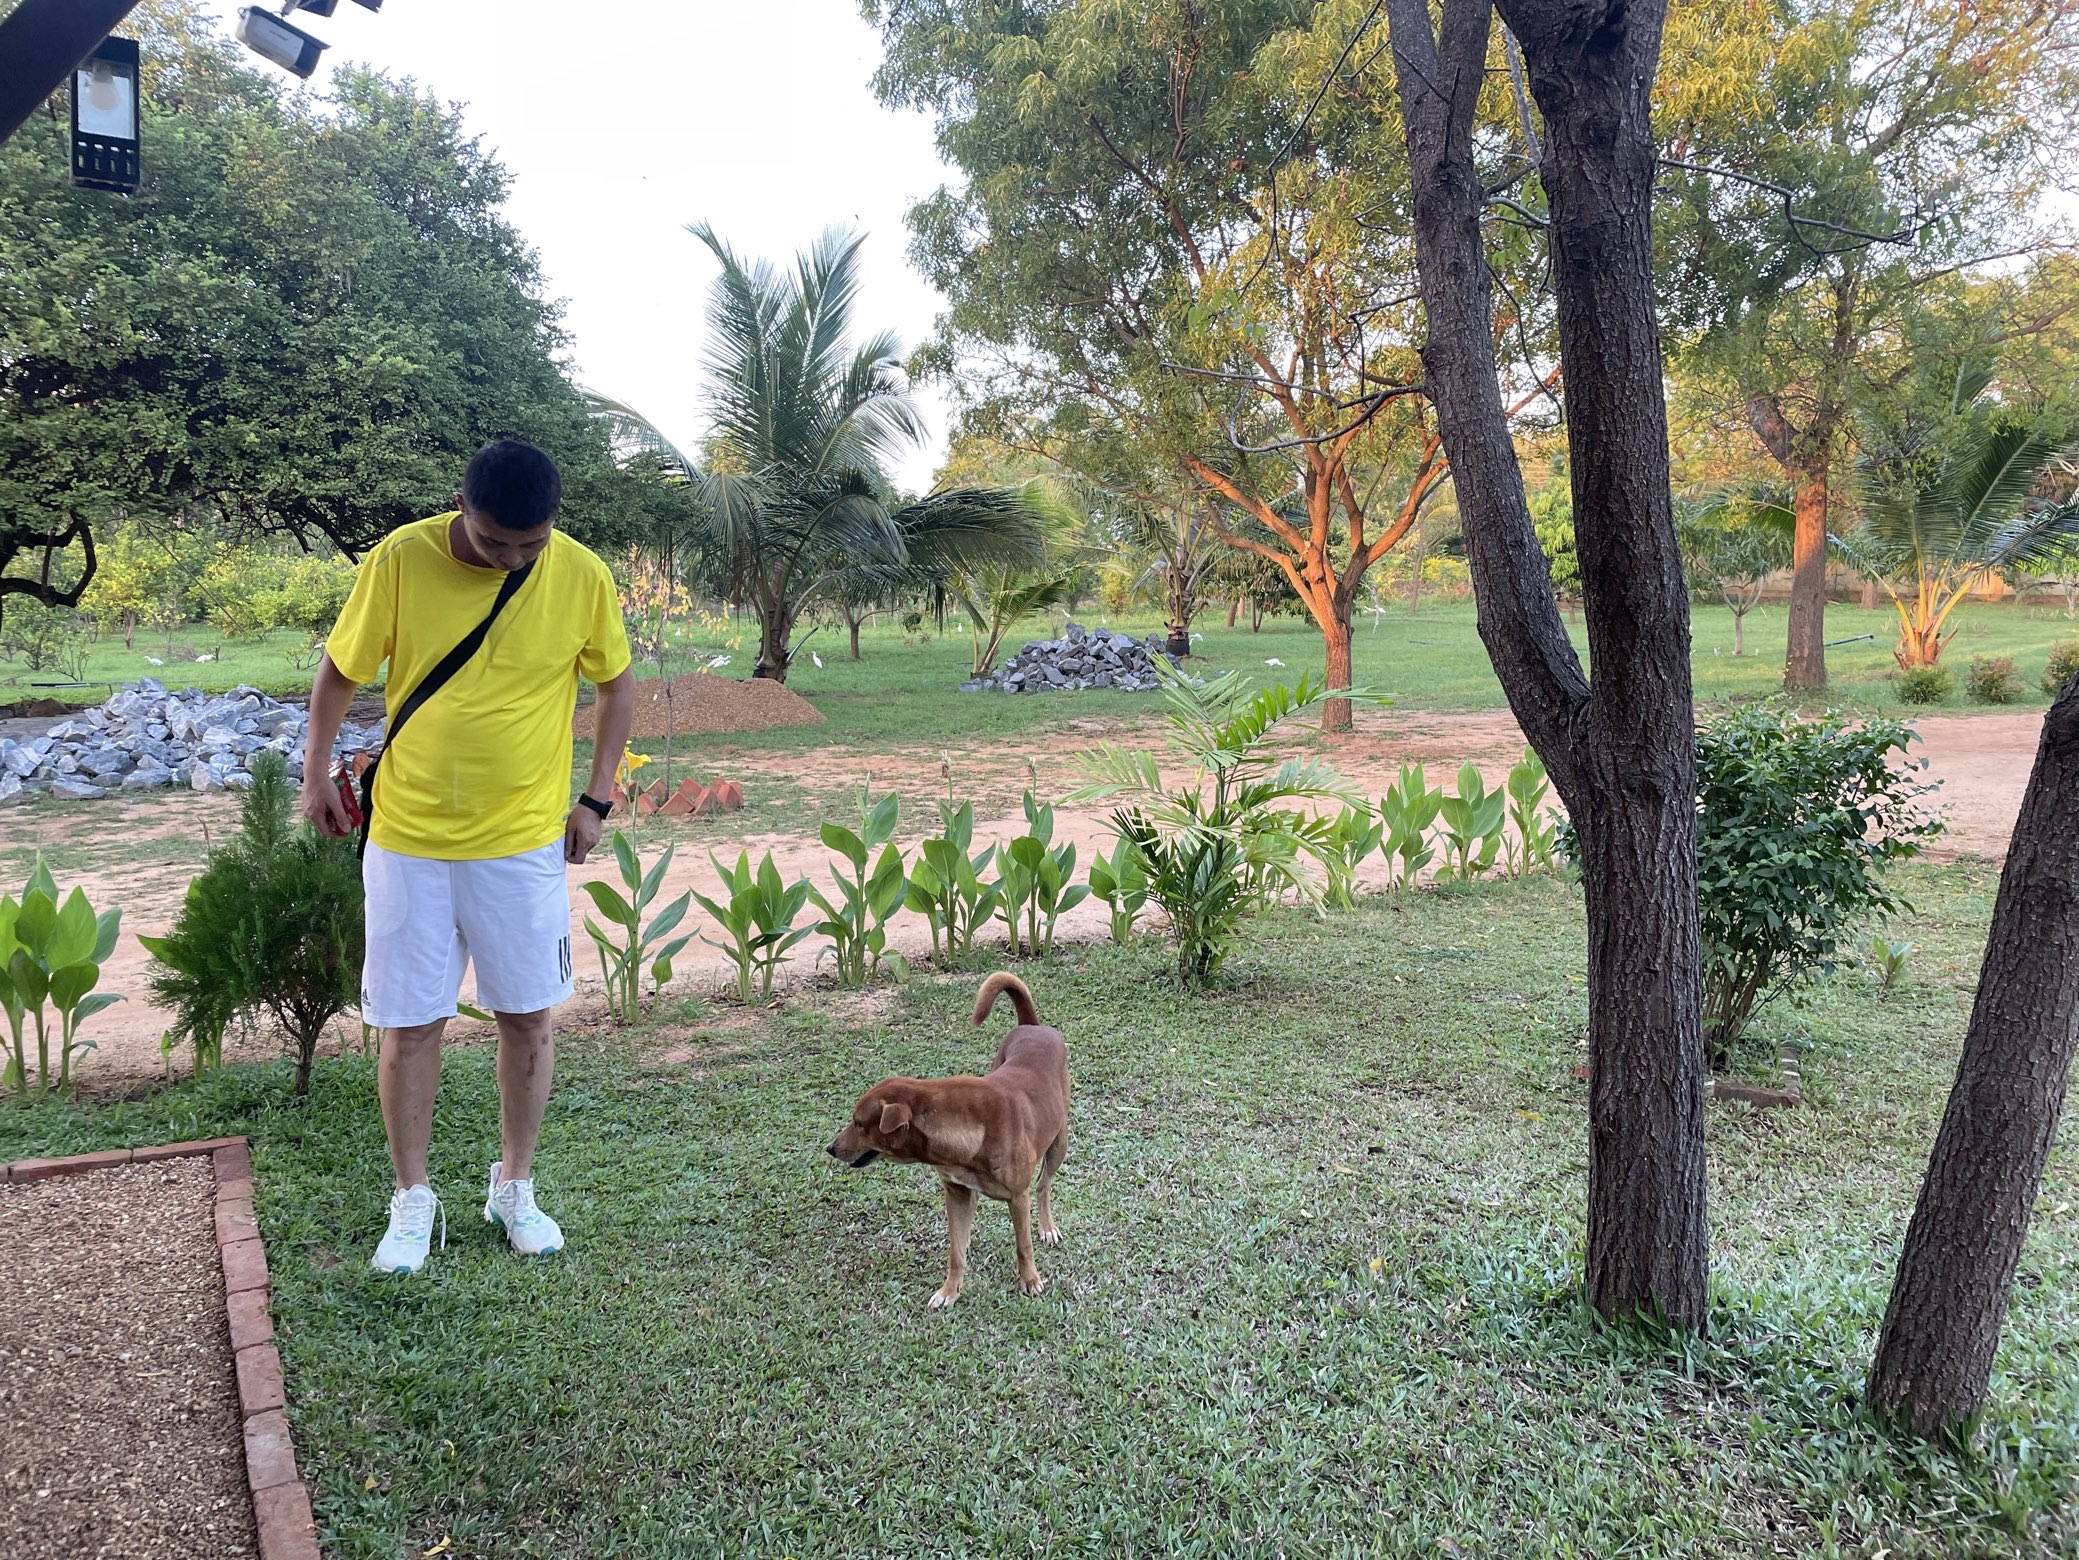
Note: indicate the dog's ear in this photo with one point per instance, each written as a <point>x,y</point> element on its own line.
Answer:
<point>895,1115</point>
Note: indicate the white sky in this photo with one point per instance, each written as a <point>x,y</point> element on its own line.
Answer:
<point>621,122</point>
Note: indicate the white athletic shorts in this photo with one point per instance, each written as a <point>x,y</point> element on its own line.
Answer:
<point>509,917</point>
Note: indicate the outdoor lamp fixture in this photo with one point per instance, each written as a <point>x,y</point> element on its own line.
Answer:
<point>104,118</point>
<point>268,36</point>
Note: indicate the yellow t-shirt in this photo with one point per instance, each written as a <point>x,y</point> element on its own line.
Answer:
<point>483,769</point>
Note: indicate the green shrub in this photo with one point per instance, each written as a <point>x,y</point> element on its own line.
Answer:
<point>1225,844</point>
<point>272,926</point>
<point>946,884</point>
<point>1473,826</point>
<point>51,953</point>
<point>856,922</point>
<point>1797,822</point>
<point>621,963</point>
<point>1354,834</point>
<point>1121,883</point>
<point>759,919</point>
<point>1926,685</point>
<point>1531,849</point>
<point>1407,810</point>
<point>1992,680</point>
<point>2062,665</point>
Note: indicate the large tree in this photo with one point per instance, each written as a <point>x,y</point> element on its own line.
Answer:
<point>1942,1326</point>
<point>1620,749</point>
<point>803,420</point>
<point>1181,232</point>
<point>1834,170</point>
<point>304,321</point>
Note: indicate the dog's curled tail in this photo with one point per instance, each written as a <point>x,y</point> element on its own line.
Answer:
<point>994,987</point>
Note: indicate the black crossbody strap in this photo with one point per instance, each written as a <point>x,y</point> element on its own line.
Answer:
<point>432,683</point>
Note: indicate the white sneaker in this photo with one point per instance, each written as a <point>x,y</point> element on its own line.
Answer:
<point>511,1204</point>
<point>405,1243</point>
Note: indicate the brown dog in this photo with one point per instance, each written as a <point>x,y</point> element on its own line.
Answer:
<point>985,1135</point>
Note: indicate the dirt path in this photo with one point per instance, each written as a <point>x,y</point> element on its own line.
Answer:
<point>1981,761</point>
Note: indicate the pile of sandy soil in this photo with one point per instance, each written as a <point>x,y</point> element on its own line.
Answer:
<point>704,705</point>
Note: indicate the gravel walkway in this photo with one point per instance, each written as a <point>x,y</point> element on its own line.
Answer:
<point>119,1425</point>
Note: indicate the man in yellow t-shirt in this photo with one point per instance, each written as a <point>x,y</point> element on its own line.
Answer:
<point>473,824</point>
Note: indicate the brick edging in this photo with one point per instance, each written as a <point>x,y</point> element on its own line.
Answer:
<point>1791,1093</point>
<point>281,1501</point>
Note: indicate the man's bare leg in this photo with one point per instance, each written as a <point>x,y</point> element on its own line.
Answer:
<point>406,1079</point>
<point>526,1062</point>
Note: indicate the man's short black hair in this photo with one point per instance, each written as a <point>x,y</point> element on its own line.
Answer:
<point>513,484</point>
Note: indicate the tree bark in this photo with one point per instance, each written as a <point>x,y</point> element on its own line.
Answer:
<point>774,628</point>
<point>1739,631</point>
<point>1335,638</point>
<point>1804,662</point>
<point>852,624</point>
<point>1935,1352</point>
<point>1622,754</point>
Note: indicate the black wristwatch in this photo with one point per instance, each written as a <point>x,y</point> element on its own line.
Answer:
<point>601,808</point>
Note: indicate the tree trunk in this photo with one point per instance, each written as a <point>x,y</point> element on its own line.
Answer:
<point>1335,638</point>
<point>1869,596</point>
<point>1739,630</point>
<point>1804,663</point>
<point>774,628</point>
<point>1179,641</point>
<point>1235,611</point>
<point>1935,1352</point>
<point>1622,753</point>
<point>853,623</point>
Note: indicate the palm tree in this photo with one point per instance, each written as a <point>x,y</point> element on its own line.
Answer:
<point>1932,538</point>
<point>802,423</point>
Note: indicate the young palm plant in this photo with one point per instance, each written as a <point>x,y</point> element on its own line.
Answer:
<point>1235,836</point>
<point>802,424</point>
<point>1933,538</point>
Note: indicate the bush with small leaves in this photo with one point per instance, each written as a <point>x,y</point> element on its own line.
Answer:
<point>1926,685</point>
<point>1992,680</point>
<point>2062,666</point>
<point>1798,821</point>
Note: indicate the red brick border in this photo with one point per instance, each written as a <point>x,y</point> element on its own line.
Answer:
<point>1791,1093</point>
<point>281,1501</point>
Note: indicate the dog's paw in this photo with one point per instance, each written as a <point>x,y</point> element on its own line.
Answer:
<point>1033,1285</point>
<point>941,1298</point>
<point>1050,1236</point>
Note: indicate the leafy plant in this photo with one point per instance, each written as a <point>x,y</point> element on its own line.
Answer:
<point>1407,810</point>
<point>1224,844</point>
<point>1472,826</point>
<point>1798,821</point>
<point>1992,679</point>
<point>2062,665</point>
<point>1888,959</point>
<point>51,953</point>
<point>946,885</point>
<point>1926,685</point>
<point>273,925</point>
<point>639,947</point>
<point>1120,881</point>
<point>759,919</point>
<point>1532,847</point>
<point>1354,833</point>
<point>1037,882</point>
<point>857,921</point>
<point>1940,530</point>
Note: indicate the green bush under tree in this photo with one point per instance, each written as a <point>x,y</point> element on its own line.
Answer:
<point>1798,822</point>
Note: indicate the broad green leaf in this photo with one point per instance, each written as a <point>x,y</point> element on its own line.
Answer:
<point>610,903</point>
<point>72,937</point>
<point>108,927</point>
<point>847,844</point>
<point>624,855</point>
<point>70,982</point>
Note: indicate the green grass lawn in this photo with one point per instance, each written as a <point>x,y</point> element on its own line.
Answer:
<point>1430,661</point>
<point>1317,1295</point>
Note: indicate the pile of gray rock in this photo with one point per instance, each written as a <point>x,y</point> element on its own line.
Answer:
<point>1080,658</point>
<point>147,739</point>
